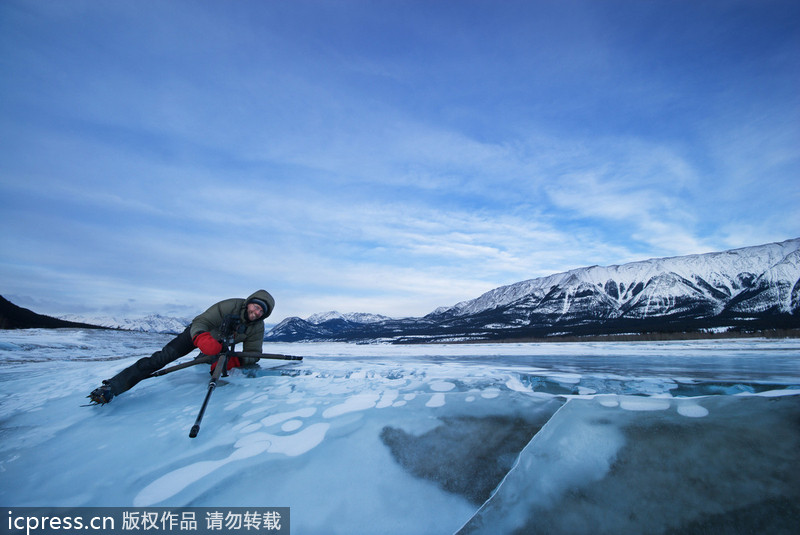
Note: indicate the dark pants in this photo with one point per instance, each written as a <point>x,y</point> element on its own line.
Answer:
<point>125,380</point>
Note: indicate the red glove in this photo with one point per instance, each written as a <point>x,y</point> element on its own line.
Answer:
<point>207,344</point>
<point>233,362</point>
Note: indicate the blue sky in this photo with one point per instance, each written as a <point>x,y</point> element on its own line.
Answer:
<point>386,156</point>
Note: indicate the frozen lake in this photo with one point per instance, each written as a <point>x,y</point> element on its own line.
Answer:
<point>667,437</point>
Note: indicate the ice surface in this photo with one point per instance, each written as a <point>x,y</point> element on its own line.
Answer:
<point>601,469</point>
<point>614,437</point>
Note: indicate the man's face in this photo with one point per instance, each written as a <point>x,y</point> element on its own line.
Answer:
<point>254,311</point>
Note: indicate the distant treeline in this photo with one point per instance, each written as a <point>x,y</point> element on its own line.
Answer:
<point>645,337</point>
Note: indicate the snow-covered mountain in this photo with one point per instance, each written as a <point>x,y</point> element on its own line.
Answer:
<point>154,323</point>
<point>353,317</point>
<point>752,279</point>
<point>749,288</point>
<point>323,325</point>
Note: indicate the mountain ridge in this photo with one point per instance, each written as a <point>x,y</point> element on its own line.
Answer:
<point>755,287</point>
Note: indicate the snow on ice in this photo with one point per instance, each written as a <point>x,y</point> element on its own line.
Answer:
<point>669,437</point>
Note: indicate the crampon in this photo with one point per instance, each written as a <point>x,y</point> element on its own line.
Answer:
<point>101,395</point>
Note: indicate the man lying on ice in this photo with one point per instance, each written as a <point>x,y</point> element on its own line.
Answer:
<point>204,333</point>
